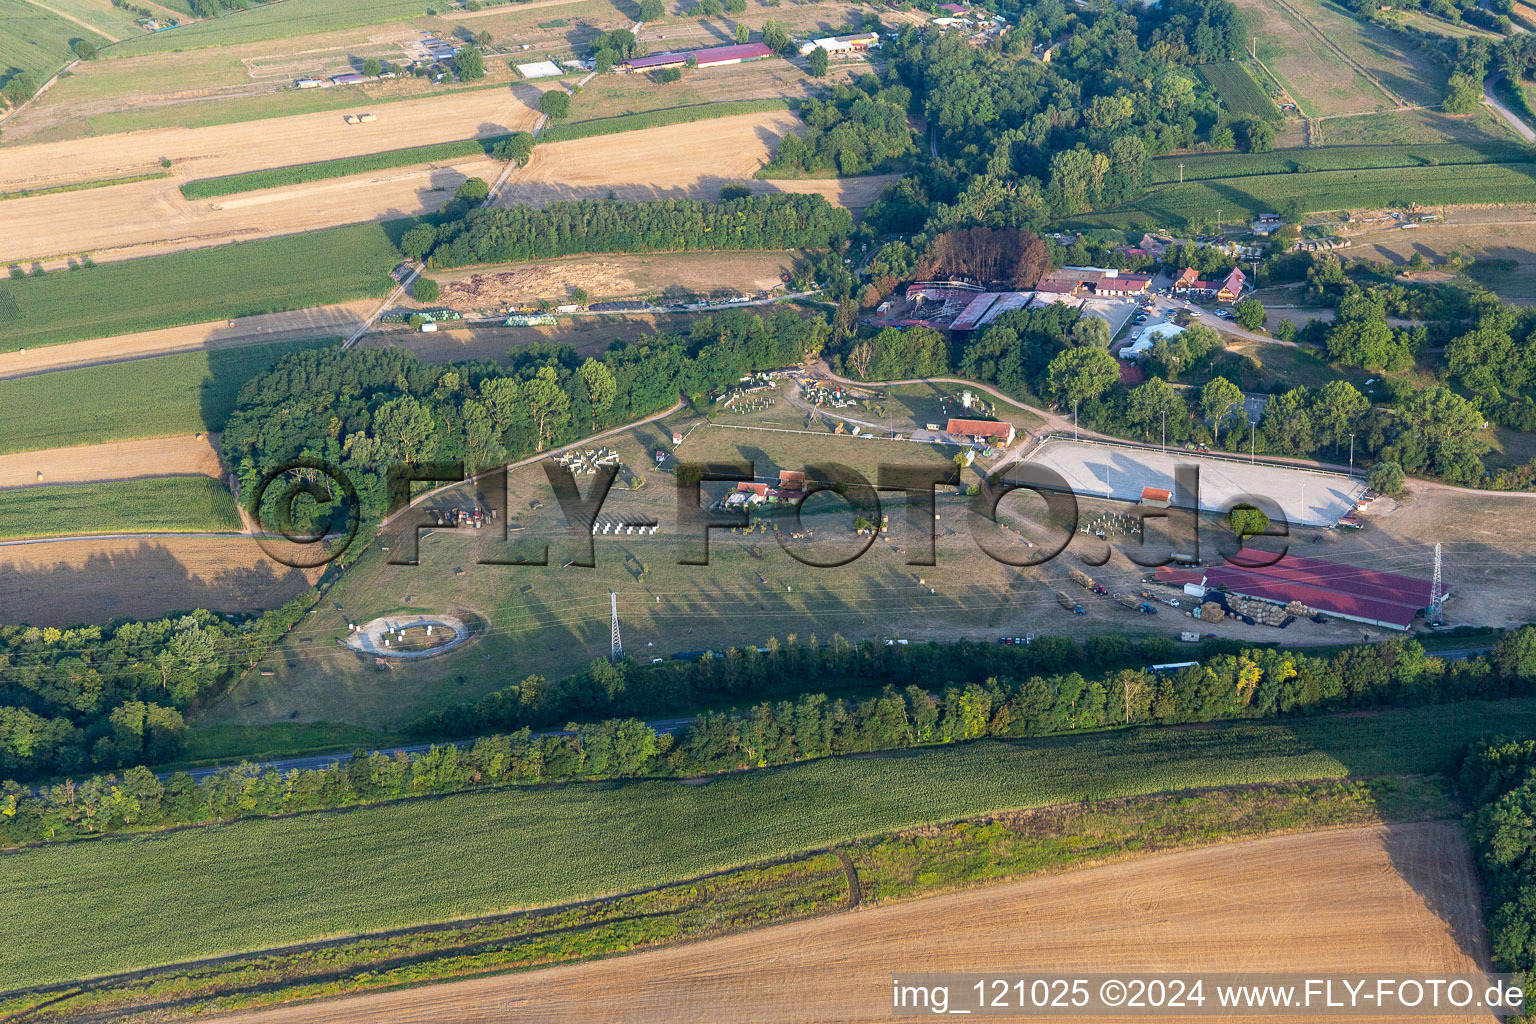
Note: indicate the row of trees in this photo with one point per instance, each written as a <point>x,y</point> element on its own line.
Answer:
<point>365,410</point>
<point>779,221</point>
<point>104,696</point>
<point>935,705</point>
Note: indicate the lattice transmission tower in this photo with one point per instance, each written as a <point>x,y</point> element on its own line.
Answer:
<point>615,645</point>
<point>1436,591</point>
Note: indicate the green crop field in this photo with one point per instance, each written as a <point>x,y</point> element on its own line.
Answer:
<point>241,279</point>
<point>178,504</point>
<point>298,174</point>
<point>1239,93</point>
<point>1240,197</point>
<point>261,883</point>
<point>274,21</point>
<point>28,193</point>
<point>1337,158</point>
<point>36,40</point>
<point>183,393</point>
<point>658,118</point>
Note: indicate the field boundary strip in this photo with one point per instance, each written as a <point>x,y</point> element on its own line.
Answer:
<point>660,118</point>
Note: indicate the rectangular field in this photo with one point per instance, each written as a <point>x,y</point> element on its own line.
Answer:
<point>35,40</point>
<point>1241,197</point>
<point>189,392</point>
<point>260,883</point>
<point>1309,69</point>
<point>274,21</point>
<point>1239,93</point>
<point>1198,167</point>
<point>165,505</point>
<point>1110,471</point>
<point>298,174</point>
<point>240,279</point>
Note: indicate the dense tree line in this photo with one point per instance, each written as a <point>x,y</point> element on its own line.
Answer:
<point>940,693</point>
<point>364,410</point>
<point>104,696</point>
<point>497,235</point>
<point>860,129</point>
<point>1499,780</point>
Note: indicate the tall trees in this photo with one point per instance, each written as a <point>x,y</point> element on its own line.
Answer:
<point>555,103</point>
<point>1006,256</point>
<point>1081,374</point>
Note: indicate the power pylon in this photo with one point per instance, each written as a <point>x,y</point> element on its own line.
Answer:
<point>1436,591</point>
<point>615,645</point>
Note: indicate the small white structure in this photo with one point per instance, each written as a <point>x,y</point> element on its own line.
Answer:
<point>539,69</point>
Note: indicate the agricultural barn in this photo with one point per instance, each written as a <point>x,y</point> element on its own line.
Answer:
<point>1375,598</point>
<point>982,430</point>
<point>347,79</point>
<point>1228,289</point>
<point>1094,281</point>
<point>713,57</point>
<point>842,44</point>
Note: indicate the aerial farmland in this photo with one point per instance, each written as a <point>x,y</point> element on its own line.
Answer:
<point>653,510</point>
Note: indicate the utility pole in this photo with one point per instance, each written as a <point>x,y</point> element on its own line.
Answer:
<point>1181,174</point>
<point>1074,419</point>
<point>1165,430</point>
<point>1436,593</point>
<point>1351,454</point>
<point>615,646</point>
<point>1251,428</point>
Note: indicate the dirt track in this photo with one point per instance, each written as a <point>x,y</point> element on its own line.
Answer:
<point>318,322</point>
<point>1401,900</point>
<point>183,455</point>
<point>60,583</point>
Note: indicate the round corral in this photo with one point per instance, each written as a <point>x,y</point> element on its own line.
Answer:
<point>409,636</point>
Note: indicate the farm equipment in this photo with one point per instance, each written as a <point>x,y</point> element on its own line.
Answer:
<point>1082,579</point>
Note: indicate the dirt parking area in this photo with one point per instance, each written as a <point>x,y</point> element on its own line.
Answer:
<point>614,277</point>
<point>183,455</point>
<point>1379,899</point>
<point>64,582</point>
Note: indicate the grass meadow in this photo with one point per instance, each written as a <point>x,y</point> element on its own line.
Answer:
<point>274,21</point>
<point>261,883</point>
<point>241,279</point>
<point>659,118</point>
<point>298,174</point>
<point>1336,158</point>
<point>184,393</point>
<point>36,40</point>
<point>175,504</point>
<point>1241,197</point>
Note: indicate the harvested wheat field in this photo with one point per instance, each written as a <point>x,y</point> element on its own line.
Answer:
<point>275,142</point>
<point>677,161</point>
<point>317,322</point>
<point>1389,899</point>
<point>183,455</point>
<point>152,217</point>
<point>64,582</point>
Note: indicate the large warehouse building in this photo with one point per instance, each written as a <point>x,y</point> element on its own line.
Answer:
<point>713,57</point>
<point>1376,598</point>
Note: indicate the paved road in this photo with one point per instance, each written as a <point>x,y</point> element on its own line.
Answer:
<point>1512,119</point>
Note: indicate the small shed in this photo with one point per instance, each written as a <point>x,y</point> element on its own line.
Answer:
<point>1156,497</point>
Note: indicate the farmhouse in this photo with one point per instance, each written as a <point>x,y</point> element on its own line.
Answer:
<point>1095,281</point>
<point>1376,598</point>
<point>713,57</point>
<point>1228,289</point>
<point>857,42</point>
<point>982,430</point>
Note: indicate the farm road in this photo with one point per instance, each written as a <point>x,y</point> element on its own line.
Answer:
<point>1515,121</point>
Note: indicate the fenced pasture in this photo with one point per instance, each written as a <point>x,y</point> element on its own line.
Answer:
<point>184,393</point>
<point>162,505</point>
<point>240,279</point>
<point>262,883</point>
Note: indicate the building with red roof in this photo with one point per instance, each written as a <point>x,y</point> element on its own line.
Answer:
<point>982,430</point>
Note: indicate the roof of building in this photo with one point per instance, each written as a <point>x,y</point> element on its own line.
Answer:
<point>979,428</point>
<point>1370,594</point>
<point>1156,494</point>
<point>711,55</point>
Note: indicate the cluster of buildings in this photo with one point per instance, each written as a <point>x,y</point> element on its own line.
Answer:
<point>1190,284</point>
<point>856,43</point>
<point>789,487</point>
<point>1095,281</point>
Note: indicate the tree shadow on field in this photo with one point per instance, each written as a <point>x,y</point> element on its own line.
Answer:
<point>1433,859</point>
